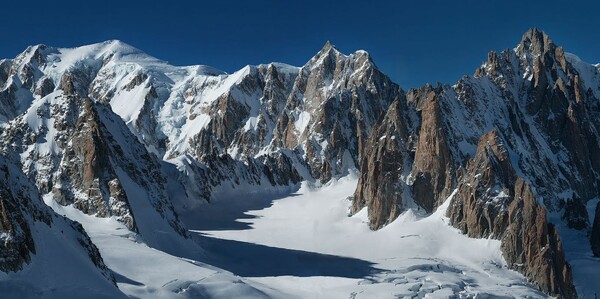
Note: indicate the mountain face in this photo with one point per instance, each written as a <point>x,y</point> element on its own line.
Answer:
<point>116,133</point>
<point>79,152</point>
<point>43,251</point>
<point>309,122</point>
<point>518,141</point>
<point>491,201</point>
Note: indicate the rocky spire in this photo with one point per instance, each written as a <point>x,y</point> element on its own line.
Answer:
<point>492,202</point>
<point>535,42</point>
<point>379,187</point>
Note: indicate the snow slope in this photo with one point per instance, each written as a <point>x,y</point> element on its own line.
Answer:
<point>58,270</point>
<point>144,272</point>
<point>63,262</point>
<point>306,244</point>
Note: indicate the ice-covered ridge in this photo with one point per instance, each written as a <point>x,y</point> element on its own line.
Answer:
<point>590,74</point>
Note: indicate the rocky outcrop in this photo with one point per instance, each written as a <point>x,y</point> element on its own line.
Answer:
<point>342,97</point>
<point>541,104</point>
<point>564,113</point>
<point>432,167</point>
<point>22,212</point>
<point>83,160</point>
<point>380,186</point>
<point>595,235</point>
<point>575,214</point>
<point>218,175</point>
<point>491,201</point>
<point>45,87</point>
<point>532,246</point>
<point>89,171</point>
<point>5,66</point>
<point>16,242</point>
<point>479,207</point>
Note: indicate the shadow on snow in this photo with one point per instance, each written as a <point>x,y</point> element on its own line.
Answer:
<point>255,260</point>
<point>226,213</point>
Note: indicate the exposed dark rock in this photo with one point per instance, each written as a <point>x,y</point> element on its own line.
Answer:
<point>485,191</point>
<point>137,80</point>
<point>492,202</point>
<point>576,215</point>
<point>432,165</point>
<point>532,246</point>
<point>5,66</point>
<point>21,208</point>
<point>45,87</point>
<point>379,187</point>
<point>595,236</point>
<point>67,84</point>
<point>16,243</point>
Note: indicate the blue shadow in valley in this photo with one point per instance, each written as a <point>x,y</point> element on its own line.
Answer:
<point>226,213</point>
<point>254,260</point>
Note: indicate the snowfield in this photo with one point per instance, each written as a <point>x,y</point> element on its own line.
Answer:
<point>145,272</point>
<point>305,244</point>
<point>299,245</point>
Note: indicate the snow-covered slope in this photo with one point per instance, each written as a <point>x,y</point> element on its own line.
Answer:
<point>143,272</point>
<point>91,168</point>
<point>313,119</point>
<point>42,253</point>
<point>305,244</point>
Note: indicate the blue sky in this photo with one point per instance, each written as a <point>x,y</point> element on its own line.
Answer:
<point>414,42</point>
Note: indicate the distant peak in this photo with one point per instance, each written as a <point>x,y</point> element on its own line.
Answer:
<point>112,41</point>
<point>328,47</point>
<point>534,34</point>
<point>536,42</point>
<point>118,45</point>
<point>39,46</point>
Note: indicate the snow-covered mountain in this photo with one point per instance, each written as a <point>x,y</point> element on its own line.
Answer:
<point>521,135</point>
<point>41,252</point>
<point>123,142</point>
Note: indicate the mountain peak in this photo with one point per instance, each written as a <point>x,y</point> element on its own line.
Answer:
<point>536,42</point>
<point>327,46</point>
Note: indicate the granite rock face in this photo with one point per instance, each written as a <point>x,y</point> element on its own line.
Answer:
<point>17,243</point>
<point>386,160</point>
<point>492,202</point>
<point>532,246</point>
<point>479,207</point>
<point>575,214</point>
<point>432,167</point>
<point>22,216</point>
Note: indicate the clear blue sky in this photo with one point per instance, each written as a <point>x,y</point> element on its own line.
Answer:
<point>414,42</point>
